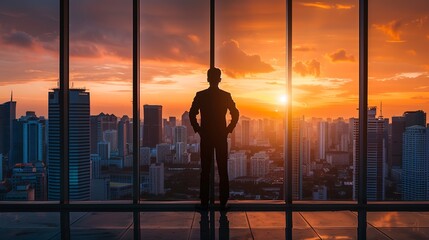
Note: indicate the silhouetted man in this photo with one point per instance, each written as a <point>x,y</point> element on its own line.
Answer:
<point>213,104</point>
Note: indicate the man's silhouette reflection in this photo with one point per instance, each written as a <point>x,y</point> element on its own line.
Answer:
<point>213,104</point>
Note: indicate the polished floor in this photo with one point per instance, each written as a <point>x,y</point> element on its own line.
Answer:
<point>233,225</point>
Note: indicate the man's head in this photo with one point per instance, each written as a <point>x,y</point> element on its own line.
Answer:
<point>213,76</point>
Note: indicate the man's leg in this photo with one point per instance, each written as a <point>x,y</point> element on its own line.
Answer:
<point>222,165</point>
<point>206,158</point>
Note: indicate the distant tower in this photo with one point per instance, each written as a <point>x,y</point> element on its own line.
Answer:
<point>152,125</point>
<point>123,131</point>
<point>162,150</point>
<point>245,132</point>
<point>187,123</point>
<point>180,134</point>
<point>237,165</point>
<point>156,179</point>
<point>29,141</point>
<point>79,145</point>
<point>7,116</point>
<point>415,165</point>
<point>376,157</point>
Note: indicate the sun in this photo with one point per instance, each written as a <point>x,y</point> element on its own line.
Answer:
<point>283,99</point>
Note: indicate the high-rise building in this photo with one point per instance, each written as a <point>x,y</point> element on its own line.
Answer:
<point>156,179</point>
<point>104,150</point>
<point>415,118</point>
<point>237,165</point>
<point>29,142</point>
<point>187,123</point>
<point>7,115</point>
<point>323,139</point>
<point>398,128</point>
<point>376,157</point>
<point>79,145</point>
<point>123,131</point>
<point>297,157</point>
<point>245,131</point>
<point>180,134</point>
<point>111,136</point>
<point>162,150</point>
<point>144,156</point>
<point>259,164</point>
<point>152,125</point>
<point>100,123</point>
<point>415,164</point>
<point>181,156</point>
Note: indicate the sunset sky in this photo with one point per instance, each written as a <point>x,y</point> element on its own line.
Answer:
<point>250,50</point>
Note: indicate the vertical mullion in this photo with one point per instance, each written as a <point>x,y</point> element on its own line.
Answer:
<point>363,117</point>
<point>212,33</point>
<point>64,118</point>
<point>212,65</point>
<point>288,133</point>
<point>136,116</point>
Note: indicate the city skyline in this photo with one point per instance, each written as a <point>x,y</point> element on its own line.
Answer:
<point>249,50</point>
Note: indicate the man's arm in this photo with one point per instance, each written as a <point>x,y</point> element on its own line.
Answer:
<point>234,114</point>
<point>193,112</point>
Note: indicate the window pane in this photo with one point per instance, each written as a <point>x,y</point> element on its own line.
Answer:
<point>325,100</point>
<point>250,51</point>
<point>398,86</point>
<point>29,68</point>
<point>174,60</point>
<point>100,100</point>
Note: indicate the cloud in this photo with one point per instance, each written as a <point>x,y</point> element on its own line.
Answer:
<point>20,39</point>
<point>237,63</point>
<point>309,68</point>
<point>327,6</point>
<point>341,56</point>
<point>392,30</point>
<point>299,48</point>
<point>404,76</point>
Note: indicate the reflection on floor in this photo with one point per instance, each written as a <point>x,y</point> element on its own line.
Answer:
<point>215,225</point>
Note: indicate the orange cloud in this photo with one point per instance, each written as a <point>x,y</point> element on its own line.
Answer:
<point>392,30</point>
<point>309,68</point>
<point>237,63</point>
<point>341,56</point>
<point>322,5</point>
<point>303,48</point>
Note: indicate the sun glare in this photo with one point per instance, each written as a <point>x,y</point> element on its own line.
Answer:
<point>283,99</point>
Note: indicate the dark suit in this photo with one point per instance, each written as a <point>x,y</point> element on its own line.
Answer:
<point>213,104</point>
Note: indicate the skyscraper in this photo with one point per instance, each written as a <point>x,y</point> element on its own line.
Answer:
<point>415,165</point>
<point>79,145</point>
<point>144,156</point>
<point>152,125</point>
<point>156,179</point>
<point>245,132</point>
<point>187,123</point>
<point>259,164</point>
<point>415,118</point>
<point>180,134</point>
<point>162,150</point>
<point>376,157</point>
<point>237,165</point>
<point>123,131</point>
<point>29,140</point>
<point>7,115</point>
<point>100,123</point>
